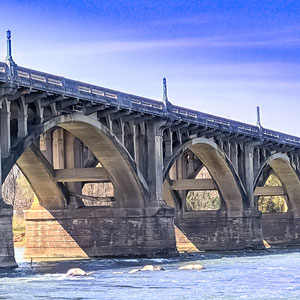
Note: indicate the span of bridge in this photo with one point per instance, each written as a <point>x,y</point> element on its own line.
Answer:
<point>64,134</point>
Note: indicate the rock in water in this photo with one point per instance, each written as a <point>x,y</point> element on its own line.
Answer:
<point>134,271</point>
<point>192,267</point>
<point>147,268</point>
<point>77,272</point>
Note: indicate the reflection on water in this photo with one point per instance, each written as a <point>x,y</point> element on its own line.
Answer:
<point>251,275</point>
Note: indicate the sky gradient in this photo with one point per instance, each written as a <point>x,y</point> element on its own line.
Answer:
<point>219,57</point>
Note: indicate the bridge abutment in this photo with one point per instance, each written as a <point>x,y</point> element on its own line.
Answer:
<point>99,232</point>
<point>281,229</point>
<point>7,259</point>
<point>214,230</point>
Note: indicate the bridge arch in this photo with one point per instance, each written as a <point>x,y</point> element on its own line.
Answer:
<point>130,188</point>
<point>281,165</point>
<point>221,170</point>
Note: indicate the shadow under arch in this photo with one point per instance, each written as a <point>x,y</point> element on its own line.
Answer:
<point>281,165</point>
<point>221,170</point>
<point>40,175</point>
<point>130,187</point>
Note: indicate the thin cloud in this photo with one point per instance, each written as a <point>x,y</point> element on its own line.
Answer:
<point>108,46</point>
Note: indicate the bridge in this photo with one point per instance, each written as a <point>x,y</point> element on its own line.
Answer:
<point>64,134</point>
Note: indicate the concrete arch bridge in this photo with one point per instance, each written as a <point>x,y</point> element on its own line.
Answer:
<point>64,134</point>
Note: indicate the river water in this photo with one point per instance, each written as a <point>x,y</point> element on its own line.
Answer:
<point>271,274</point>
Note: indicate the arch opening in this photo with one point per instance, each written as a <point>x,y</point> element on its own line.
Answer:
<point>273,204</point>
<point>203,187</point>
<point>198,200</point>
<point>130,188</point>
<point>17,192</point>
<point>223,178</point>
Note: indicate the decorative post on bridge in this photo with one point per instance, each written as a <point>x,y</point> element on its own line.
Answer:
<point>165,95</point>
<point>258,117</point>
<point>9,60</point>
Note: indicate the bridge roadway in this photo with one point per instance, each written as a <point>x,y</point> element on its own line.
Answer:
<point>91,98</point>
<point>65,134</point>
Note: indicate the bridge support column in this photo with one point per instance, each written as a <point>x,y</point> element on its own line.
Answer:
<point>214,230</point>
<point>281,229</point>
<point>155,162</point>
<point>99,231</point>
<point>5,128</point>
<point>7,259</point>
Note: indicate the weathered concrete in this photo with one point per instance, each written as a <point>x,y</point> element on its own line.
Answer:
<point>281,229</point>
<point>213,230</point>
<point>7,259</point>
<point>269,191</point>
<point>82,174</point>
<point>40,175</point>
<point>98,232</point>
<point>193,184</point>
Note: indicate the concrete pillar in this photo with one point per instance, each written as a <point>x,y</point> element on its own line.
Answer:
<point>73,159</point>
<point>58,149</point>
<point>7,255</point>
<point>129,139</point>
<point>141,149</point>
<point>22,118</point>
<point>155,161</point>
<point>234,154</point>
<point>48,146</point>
<point>249,173</point>
<point>22,125</point>
<point>134,144</point>
<point>99,231</point>
<point>5,128</point>
<point>168,145</point>
<point>120,133</point>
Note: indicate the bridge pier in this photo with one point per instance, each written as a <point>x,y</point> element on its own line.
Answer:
<point>7,259</point>
<point>214,230</point>
<point>99,232</point>
<point>281,229</point>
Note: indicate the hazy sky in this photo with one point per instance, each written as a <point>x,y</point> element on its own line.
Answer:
<point>220,57</point>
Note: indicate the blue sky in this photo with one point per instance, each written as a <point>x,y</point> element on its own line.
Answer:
<point>220,57</point>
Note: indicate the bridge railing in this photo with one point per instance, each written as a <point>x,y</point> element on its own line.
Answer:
<point>3,71</point>
<point>99,95</point>
<point>84,91</point>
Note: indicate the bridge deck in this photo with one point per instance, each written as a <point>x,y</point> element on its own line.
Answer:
<point>95,95</point>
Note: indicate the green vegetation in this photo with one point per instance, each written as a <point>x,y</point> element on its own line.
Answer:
<point>202,200</point>
<point>19,230</point>
<point>272,204</point>
<point>18,224</point>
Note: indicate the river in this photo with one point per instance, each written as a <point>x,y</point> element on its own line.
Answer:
<point>272,274</point>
